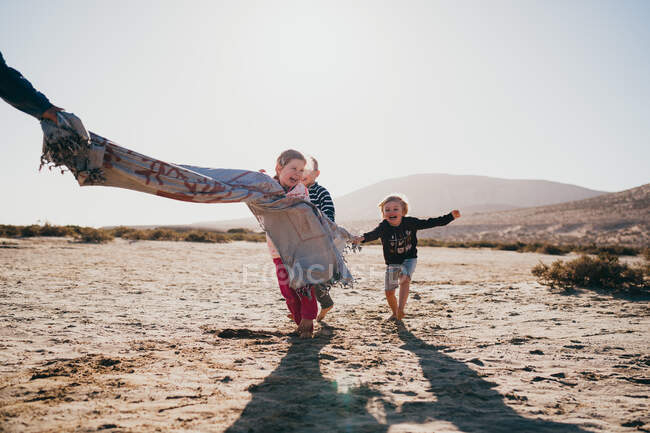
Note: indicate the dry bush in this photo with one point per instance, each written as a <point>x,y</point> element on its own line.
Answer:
<point>135,235</point>
<point>93,236</point>
<point>202,236</point>
<point>164,235</point>
<point>120,231</point>
<point>604,271</point>
<point>30,231</point>
<point>554,250</point>
<point>239,230</point>
<point>7,231</point>
<point>57,231</point>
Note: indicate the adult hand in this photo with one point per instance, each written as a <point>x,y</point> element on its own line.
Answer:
<point>50,114</point>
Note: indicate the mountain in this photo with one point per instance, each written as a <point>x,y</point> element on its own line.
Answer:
<point>435,194</point>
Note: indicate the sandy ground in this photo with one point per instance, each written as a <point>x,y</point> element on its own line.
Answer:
<point>164,336</point>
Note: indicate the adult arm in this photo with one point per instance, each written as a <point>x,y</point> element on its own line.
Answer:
<point>19,92</point>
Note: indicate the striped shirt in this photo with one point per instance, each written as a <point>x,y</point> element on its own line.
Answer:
<point>319,196</point>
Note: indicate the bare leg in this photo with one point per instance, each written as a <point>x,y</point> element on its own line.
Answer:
<point>306,328</point>
<point>404,284</point>
<point>323,312</point>
<point>392,302</point>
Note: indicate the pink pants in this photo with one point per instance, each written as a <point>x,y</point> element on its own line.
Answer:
<point>301,307</point>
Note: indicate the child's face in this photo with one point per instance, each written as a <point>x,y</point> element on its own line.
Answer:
<point>309,177</point>
<point>291,173</point>
<point>393,213</point>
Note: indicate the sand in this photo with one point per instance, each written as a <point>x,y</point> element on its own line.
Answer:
<point>164,336</point>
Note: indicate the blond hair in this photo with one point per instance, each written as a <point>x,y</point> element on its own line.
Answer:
<point>289,154</point>
<point>395,197</point>
<point>312,164</point>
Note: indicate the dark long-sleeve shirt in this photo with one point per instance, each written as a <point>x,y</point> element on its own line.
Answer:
<point>17,91</point>
<point>400,243</point>
<point>319,196</point>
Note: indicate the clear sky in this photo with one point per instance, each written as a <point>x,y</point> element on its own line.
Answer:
<point>549,89</point>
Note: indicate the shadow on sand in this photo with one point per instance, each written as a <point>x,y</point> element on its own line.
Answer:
<point>465,399</point>
<point>296,397</point>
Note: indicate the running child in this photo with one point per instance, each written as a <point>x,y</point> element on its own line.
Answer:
<point>398,238</point>
<point>302,304</point>
<point>321,197</point>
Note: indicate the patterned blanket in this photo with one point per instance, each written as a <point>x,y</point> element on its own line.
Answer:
<point>310,245</point>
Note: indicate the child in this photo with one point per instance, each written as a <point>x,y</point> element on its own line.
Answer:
<point>319,196</point>
<point>301,303</point>
<point>398,238</point>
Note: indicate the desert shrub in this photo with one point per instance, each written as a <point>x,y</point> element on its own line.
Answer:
<point>255,237</point>
<point>510,246</point>
<point>30,231</point>
<point>93,236</point>
<point>7,231</point>
<point>551,250</point>
<point>201,236</point>
<point>163,235</point>
<point>120,231</point>
<point>236,236</point>
<point>617,250</point>
<point>58,231</point>
<point>135,235</point>
<point>426,243</point>
<point>604,271</point>
<point>484,244</point>
<point>238,230</point>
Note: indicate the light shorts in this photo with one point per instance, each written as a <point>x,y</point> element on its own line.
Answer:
<point>393,272</point>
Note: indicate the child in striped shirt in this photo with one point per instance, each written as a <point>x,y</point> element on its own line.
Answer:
<point>319,196</point>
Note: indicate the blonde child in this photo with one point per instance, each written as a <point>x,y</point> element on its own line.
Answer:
<point>398,238</point>
<point>302,305</point>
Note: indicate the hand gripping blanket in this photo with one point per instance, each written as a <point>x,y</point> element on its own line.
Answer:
<point>310,244</point>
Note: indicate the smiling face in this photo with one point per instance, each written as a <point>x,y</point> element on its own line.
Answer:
<point>393,211</point>
<point>291,173</point>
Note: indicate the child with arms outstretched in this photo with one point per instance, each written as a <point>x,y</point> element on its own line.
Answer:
<point>398,238</point>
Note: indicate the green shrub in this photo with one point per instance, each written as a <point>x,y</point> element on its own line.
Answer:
<point>605,272</point>
<point>93,236</point>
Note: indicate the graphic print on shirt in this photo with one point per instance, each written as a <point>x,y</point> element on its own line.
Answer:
<point>400,242</point>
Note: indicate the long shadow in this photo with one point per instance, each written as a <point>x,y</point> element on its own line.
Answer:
<point>296,397</point>
<point>465,399</point>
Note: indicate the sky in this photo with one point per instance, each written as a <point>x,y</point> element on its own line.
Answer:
<point>550,90</point>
